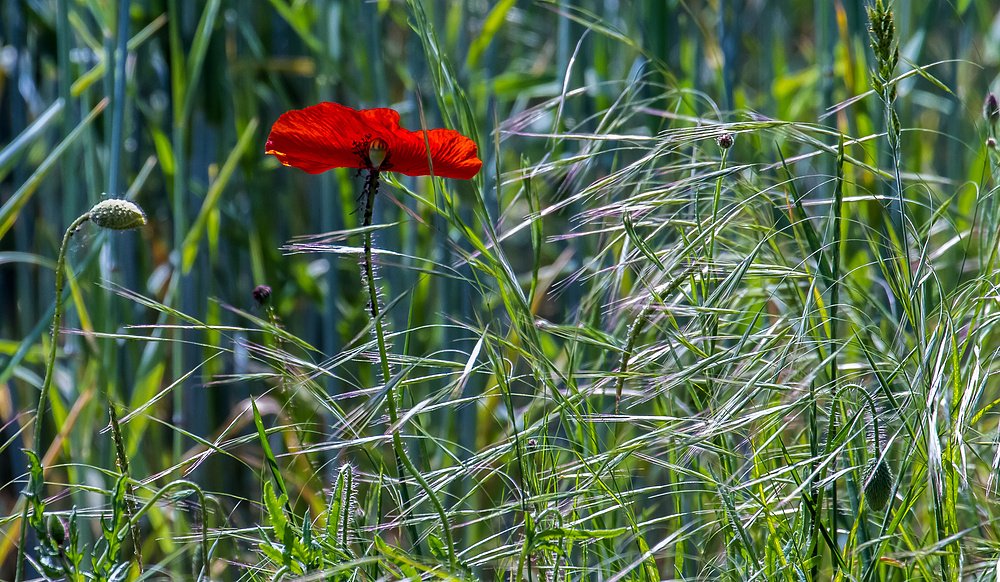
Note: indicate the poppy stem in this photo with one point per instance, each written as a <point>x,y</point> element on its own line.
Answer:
<point>43,396</point>
<point>369,192</point>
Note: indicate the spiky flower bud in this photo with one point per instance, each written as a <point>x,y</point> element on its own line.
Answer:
<point>878,483</point>
<point>117,214</point>
<point>725,140</point>
<point>878,477</point>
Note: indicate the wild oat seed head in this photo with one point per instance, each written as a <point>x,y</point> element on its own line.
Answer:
<point>115,214</point>
<point>882,32</point>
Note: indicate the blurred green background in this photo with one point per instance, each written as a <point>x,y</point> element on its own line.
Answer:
<point>177,122</point>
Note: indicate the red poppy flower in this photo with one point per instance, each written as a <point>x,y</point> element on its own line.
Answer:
<point>329,135</point>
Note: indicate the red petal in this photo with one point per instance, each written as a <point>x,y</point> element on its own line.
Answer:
<point>329,135</point>
<point>453,154</point>
<point>323,136</point>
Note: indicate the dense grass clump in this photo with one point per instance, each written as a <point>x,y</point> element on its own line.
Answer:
<point>721,302</point>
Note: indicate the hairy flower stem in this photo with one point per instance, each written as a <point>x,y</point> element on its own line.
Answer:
<point>50,364</point>
<point>370,190</point>
<point>711,329</point>
<point>123,466</point>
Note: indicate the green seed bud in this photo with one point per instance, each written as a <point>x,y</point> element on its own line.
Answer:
<point>378,149</point>
<point>197,561</point>
<point>56,530</point>
<point>117,214</point>
<point>878,483</point>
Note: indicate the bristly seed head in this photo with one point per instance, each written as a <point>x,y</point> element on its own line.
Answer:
<point>726,140</point>
<point>882,33</point>
<point>878,483</point>
<point>878,478</point>
<point>117,214</point>
<point>377,151</point>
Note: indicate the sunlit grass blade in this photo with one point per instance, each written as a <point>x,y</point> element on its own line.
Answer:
<point>12,207</point>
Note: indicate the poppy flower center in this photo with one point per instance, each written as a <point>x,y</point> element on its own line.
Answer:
<point>377,151</point>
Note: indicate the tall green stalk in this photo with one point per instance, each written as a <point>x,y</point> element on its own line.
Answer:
<point>883,43</point>
<point>369,192</point>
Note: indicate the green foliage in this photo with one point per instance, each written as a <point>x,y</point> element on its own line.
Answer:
<point>652,339</point>
<point>59,550</point>
<point>306,548</point>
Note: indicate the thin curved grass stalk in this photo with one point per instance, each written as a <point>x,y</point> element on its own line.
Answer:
<point>718,193</point>
<point>262,295</point>
<point>203,547</point>
<point>369,192</point>
<point>710,284</point>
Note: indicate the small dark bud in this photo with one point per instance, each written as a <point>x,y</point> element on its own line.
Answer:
<point>991,142</point>
<point>991,109</point>
<point>725,141</point>
<point>56,530</point>
<point>261,294</point>
<point>532,444</point>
